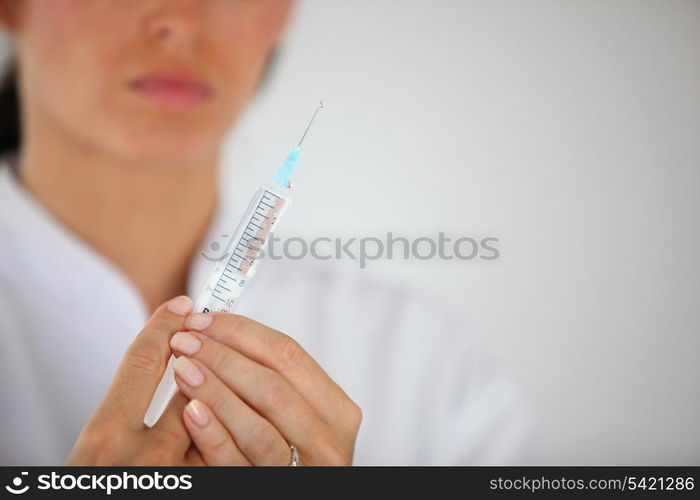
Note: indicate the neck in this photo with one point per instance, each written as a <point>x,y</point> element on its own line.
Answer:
<point>147,219</point>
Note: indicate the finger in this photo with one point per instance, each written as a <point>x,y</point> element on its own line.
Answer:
<point>282,354</point>
<point>255,437</point>
<point>143,364</point>
<point>193,457</point>
<point>261,388</point>
<point>170,428</point>
<point>212,439</point>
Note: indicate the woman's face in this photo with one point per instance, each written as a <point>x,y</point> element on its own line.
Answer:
<point>154,80</point>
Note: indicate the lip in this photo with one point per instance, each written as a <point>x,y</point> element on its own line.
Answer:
<point>172,89</point>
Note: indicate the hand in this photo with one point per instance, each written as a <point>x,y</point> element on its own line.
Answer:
<point>255,391</point>
<point>116,434</point>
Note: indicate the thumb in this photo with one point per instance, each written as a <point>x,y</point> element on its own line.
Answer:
<point>143,364</point>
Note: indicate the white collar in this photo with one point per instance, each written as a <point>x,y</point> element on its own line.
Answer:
<point>28,229</point>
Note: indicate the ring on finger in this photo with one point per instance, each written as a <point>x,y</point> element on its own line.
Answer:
<point>294,460</point>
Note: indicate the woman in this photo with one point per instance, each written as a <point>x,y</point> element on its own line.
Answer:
<point>104,205</point>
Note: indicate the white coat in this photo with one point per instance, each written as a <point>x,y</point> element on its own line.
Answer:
<point>429,393</point>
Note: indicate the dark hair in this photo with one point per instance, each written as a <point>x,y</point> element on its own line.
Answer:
<point>10,125</point>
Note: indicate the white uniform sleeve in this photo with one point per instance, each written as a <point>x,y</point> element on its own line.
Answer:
<point>431,390</point>
<point>481,413</point>
<point>469,409</point>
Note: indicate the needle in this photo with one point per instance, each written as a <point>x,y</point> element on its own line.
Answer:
<point>284,174</point>
<point>313,117</point>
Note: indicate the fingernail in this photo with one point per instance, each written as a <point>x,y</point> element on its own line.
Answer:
<point>198,321</point>
<point>185,343</point>
<point>188,371</point>
<point>197,413</point>
<point>180,305</point>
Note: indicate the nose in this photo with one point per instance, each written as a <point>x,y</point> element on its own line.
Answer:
<point>176,22</point>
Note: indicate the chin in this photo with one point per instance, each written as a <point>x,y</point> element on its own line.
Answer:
<point>172,156</point>
<point>162,136</point>
<point>169,146</point>
<point>159,152</point>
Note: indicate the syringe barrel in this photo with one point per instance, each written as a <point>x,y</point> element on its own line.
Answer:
<point>230,275</point>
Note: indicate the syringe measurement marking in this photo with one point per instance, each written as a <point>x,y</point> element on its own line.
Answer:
<point>244,242</point>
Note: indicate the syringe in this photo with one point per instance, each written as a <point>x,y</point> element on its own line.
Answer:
<point>229,277</point>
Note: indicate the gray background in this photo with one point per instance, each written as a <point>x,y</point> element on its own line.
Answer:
<point>570,130</point>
